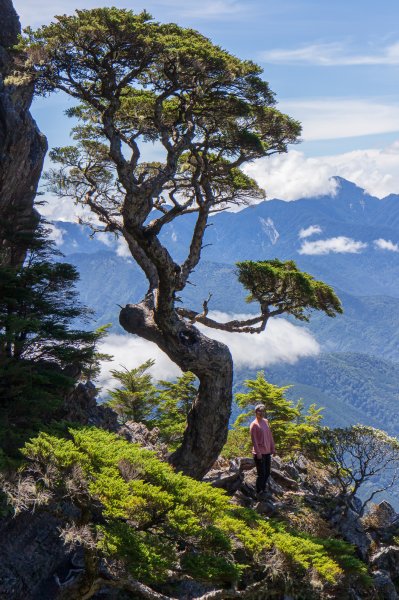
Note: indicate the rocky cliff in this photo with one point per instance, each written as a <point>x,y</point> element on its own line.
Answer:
<point>22,148</point>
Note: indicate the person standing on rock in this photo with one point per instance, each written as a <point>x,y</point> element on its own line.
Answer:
<point>263,447</point>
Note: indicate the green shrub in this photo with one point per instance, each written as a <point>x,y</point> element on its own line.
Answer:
<point>158,522</point>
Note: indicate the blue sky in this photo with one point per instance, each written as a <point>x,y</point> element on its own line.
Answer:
<point>333,65</point>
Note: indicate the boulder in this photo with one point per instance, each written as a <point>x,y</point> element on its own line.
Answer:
<point>138,433</point>
<point>284,481</point>
<point>291,470</point>
<point>382,522</point>
<point>265,507</point>
<point>384,586</point>
<point>80,406</point>
<point>384,514</point>
<point>244,463</point>
<point>241,499</point>
<point>31,552</point>
<point>347,523</point>
<point>229,479</point>
<point>387,559</point>
<point>229,474</point>
<point>276,463</point>
<point>301,463</point>
<point>248,486</point>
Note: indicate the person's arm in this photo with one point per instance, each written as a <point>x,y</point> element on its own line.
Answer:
<point>254,438</point>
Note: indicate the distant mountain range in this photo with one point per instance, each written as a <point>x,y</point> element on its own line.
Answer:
<point>350,240</point>
<point>365,230</point>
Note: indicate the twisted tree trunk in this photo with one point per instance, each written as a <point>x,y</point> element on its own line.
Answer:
<point>211,362</point>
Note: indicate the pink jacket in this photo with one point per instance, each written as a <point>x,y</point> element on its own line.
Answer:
<point>262,437</point>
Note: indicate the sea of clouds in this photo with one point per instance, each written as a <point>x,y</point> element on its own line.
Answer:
<point>281,342</point>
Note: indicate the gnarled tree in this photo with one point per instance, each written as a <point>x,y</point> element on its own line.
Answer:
<point>208,113</point>
<point>361,455</point>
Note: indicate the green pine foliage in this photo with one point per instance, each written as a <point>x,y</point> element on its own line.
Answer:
<point>293,430</point>
<point>174,403</point>
<point>136,397</point>
<point>134,508</point>
<point>42,351</point>
<point>282,287</point>
<point>161,404</point>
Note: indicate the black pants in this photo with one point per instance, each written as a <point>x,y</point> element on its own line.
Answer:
<point>263,470</point>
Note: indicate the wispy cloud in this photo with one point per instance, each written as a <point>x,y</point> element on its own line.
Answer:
<point>203,10</point>
<point>331,55</point>
<point>382,244</point>
<point>336,118</point>
<point>336,245</point>
<point>308,231</point>
<point>122,249</point>
<point>41,11</point>
<point>62,209</point>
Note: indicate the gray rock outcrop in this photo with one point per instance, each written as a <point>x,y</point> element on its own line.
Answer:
<point>346,521</point>
<point>31,550</point>
<point>80,406</point>
<point>22,148</point>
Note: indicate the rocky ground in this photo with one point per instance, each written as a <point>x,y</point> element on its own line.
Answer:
<point>300,494</point>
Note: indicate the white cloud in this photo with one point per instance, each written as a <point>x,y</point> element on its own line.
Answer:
<point>293,175</point>
<point>40,11</point>
<point>382,244</point>
<point>106,239</point>
<point>131,351</point>
<point>56,234</point>
<point>281,342</point>
<point>332,54</point>
<point>309,231</point>
<point>63,209</point>
<point>337,245</point>
<point>336,118</point>
<point>122,249</point>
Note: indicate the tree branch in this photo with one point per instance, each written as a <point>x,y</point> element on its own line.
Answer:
<point>235,326</point>
<point>194,254</point>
